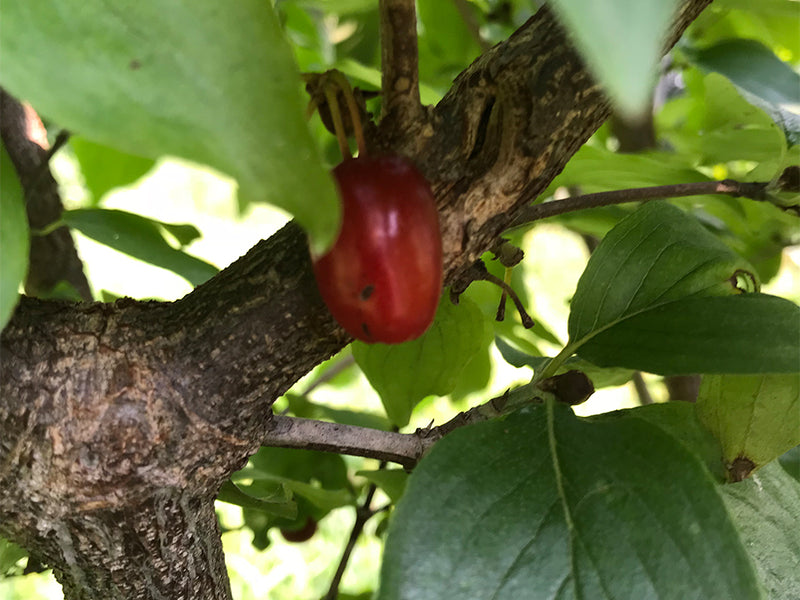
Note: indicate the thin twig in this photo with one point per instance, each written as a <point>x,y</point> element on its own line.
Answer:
<point>405,449</point>
<point>468,16</point>
<point>754,191</point>
<point>363,514</point>
<point>310,434</point>
<point>399,60</point>
<point>641,389</point>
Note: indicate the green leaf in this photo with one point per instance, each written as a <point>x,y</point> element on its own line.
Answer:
<point>717,123</point>
<point>141,238</point>
<point>545,505</point>
<point>14,237</point>
<point>751,66</point>
<point>756,418</point>
<point>10,555</point>
<point>299,465</point>
<point>750,333</point>
<point>600,377</point>
<point>761,77</point>
<point>323,499</point>
<point>679,420</point>
<point>598,169</point>
<point>622,43</point>
<point>106,168</point>
<point>790,461</point>
<point>404,374</point>
<point>766,510</point>
<point>391,481</point>
<point>212,82</point>
<point>279,503</point>
<point>655,256</point>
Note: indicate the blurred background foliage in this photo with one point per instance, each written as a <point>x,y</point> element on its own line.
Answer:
<point>726,106</point>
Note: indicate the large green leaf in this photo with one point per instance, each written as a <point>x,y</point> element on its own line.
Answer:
<point>545,505</point>
<point>653,257</point>
<point>141,238</point>
<point>750,333</point>
<point>655,296</point>
<point>14,238</point>
<point>404,374</point>
<point>766,510</point>
<point>679,420</point>
<point>755,417</point>
<point>622,43</point>
<point>212,82</point>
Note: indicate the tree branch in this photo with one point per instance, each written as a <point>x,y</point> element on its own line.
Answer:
<point>399,63</point>
<point>293,432</point>
<point>363,514</point>
<point>537,212</point>
<point>406,449</point>
<point>52,257</point>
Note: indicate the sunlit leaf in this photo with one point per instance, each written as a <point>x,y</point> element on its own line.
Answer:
<point>14,238</point>
<point>105,168</point>
<point>404,374</point>
<point>755,417</point>
<point>208,81</point>
<point>141,238</point>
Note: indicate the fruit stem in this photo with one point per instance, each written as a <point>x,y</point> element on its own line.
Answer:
<point>352,107</point>
<point>338,125</point>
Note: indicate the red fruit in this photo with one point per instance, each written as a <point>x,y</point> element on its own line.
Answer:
<point>382,278</point>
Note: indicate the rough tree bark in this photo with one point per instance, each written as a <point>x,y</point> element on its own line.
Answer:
<point>120,421</point>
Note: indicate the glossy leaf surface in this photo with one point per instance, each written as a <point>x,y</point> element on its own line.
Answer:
<point>557,507</point>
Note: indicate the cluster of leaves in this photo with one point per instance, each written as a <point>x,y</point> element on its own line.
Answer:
<point>540,503</point>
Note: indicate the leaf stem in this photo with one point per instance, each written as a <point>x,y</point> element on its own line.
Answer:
<point>555,363</point>
<point>338,124</point>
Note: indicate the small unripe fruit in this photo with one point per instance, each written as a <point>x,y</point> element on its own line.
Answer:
<point>382,278</point>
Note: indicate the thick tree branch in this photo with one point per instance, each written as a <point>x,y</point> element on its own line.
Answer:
<point>53,257</point>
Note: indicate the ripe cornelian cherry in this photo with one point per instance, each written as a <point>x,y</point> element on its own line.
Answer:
<point>382,278</point>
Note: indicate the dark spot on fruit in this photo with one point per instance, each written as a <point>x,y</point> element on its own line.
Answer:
<point>134,65</point>
<point>367,292</point>
<point>365,329</point>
